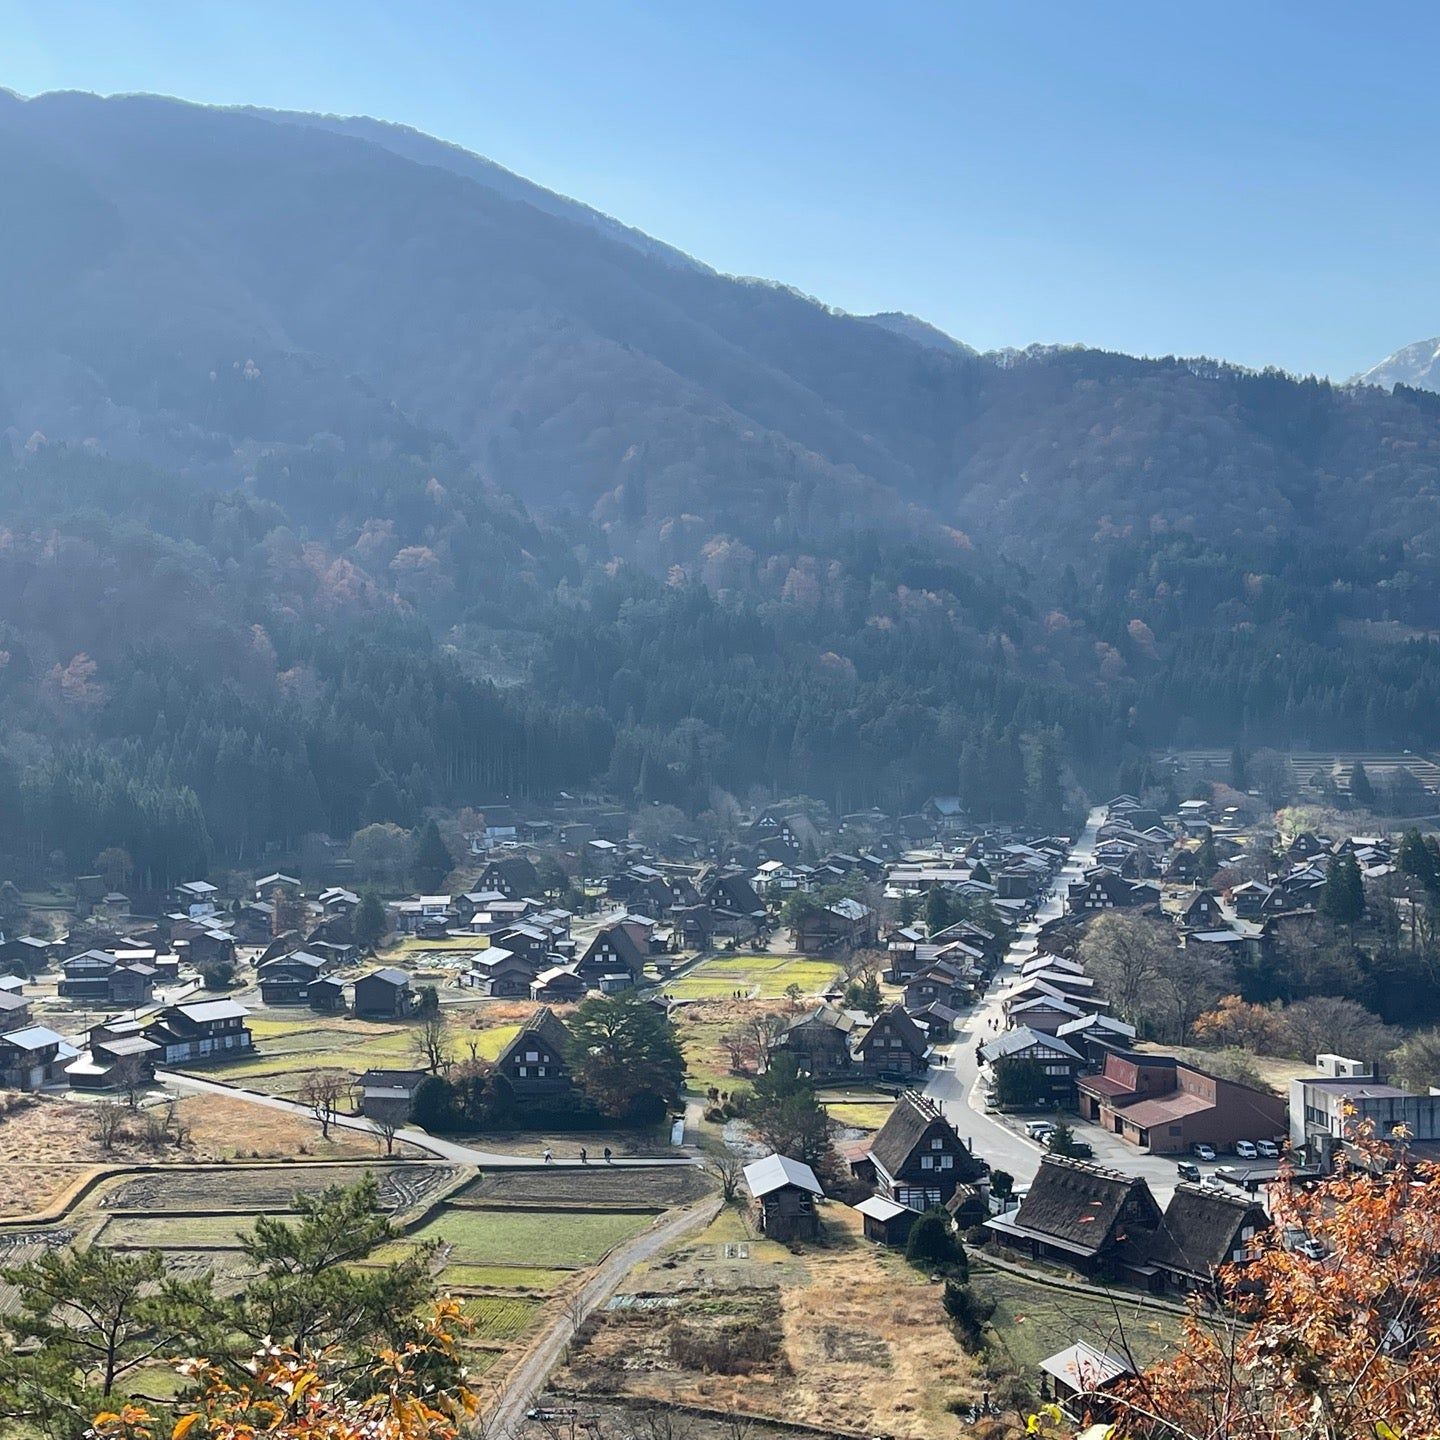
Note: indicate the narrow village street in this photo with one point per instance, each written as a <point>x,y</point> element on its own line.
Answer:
<point>954,1086</point>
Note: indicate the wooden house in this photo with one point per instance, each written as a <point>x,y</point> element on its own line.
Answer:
<point>614,951</point>
<point>1058,1059</point>
<point>287,979</point>
<point>941,983</point>
<point>326,995</point>
<point>384,994</point>
<point>32,1057</point>
<point>1098,1221</point>
<point>1204,1230</point>
<point>844,925</point>
<point>199,1030</point>
<point>785,1192</point>
<point>534,1061</point>
<point>118,1054</point>
<point>559,985</point>
<point>735,907</point>
<point>894,1047</point>
<point>916,1158</point>
<point>25,955</point>
<point>387,1094</point>
<point>1078,1379</point>
<point>820,1041</point>
<point>14,1011</point>
<point>513,876</point>
<point>500,973</point>
<point>885,1222</point>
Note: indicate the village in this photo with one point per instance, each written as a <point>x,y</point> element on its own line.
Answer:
<point>1054,1050</point>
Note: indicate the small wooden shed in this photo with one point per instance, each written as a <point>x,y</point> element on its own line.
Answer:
<point>785,1192</point>
<point>887,1223</point>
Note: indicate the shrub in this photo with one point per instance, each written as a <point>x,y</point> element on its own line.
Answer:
<point>969,1313</point>
<point>932,1243</point>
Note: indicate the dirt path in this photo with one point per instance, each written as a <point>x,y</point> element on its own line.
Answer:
<point>528,1378</point>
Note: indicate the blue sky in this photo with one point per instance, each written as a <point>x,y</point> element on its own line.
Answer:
<point>1254,181</point>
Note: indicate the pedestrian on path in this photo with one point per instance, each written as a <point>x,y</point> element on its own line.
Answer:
<point>548,1156</point>
<point>607,1154</point>
<point>584,1156</point>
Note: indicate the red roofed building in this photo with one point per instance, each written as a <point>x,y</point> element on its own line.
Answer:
<point>1161,1104</point>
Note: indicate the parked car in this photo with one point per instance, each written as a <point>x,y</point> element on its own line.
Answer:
<point>1296,1240</point>
<point>1247,1150</point>
<point>1268,1149</point>
<point>1188,1170</point>
<point>1201,1151</point>
<point>1040,1129</point>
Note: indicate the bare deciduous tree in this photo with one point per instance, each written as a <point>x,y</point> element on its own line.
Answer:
<point>728,1170</point>
<point>431,1042</point>
<point>109,1121</point>
<point>761,1033</point>
<point>1125,954</point>
<point>131,1076</point>
<point>321,1092</point>
<point>386,1126</point>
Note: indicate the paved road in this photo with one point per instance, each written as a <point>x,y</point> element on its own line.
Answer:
<point>527,1380</point>
<point>432,1144</point>
<point>954,1086</point>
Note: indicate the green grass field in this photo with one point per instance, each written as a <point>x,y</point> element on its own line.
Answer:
<point>860,1114</point>
<point>764,976</point>
<point>552,1238</point>
<point>291,1049</point>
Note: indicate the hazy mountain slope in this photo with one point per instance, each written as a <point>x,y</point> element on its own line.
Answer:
<point>920,331</point>
<point>190,286</point>
<point>575,369</point>
<point>1417,365</point>
<point>412,144</point>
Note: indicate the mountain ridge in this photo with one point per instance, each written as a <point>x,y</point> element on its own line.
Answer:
<point>1416,365</point>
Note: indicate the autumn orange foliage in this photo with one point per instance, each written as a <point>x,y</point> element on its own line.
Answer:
<point>310,1397</point>
<point>1308,1348</point>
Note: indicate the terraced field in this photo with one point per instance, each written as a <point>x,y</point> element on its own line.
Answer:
<point>21,1246</point>
<point>178,1232</point>
<point>269,1188</point>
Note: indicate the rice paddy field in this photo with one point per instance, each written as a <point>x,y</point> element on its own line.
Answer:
<point>178,1232</point>
<point>498,1319</point>
<point>1033,1319</point>
<point>598,1187</point>
<point>257,1189</point>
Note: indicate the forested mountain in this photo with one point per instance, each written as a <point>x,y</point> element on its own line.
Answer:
<point>1417,365</point>
<point>347,473</point>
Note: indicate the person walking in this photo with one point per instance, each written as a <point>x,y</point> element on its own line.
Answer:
<point>548,1156</point>
<point>607,1154</point>
<point>584,1156</point>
